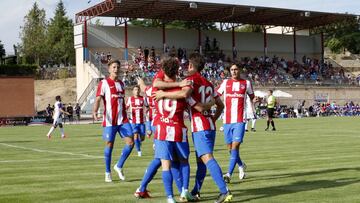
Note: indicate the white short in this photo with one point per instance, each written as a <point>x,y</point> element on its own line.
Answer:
<point>250,115</point>
<point>57,121</point>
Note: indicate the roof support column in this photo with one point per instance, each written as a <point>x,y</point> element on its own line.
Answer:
<point>265,41</point>
<point>322,47</point>
<point>126,54</point>
<point>199,40</point>
<point>294,39</point>
<point>86,51</point>
<point>164,37</point>
<point>233,43</point>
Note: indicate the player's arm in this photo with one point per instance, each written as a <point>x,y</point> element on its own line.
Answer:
<point>64,112</point>
<point>219,108</point>
<point>184,93</point>
<point>141,84</point>
<point>200,106</point>
<point>96,107</point>
<point>160,84</point>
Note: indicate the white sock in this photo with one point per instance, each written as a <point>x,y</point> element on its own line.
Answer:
<point>246,124</point>
<point>50,131</point>
<point>253,123</point>
<point>62,132</point>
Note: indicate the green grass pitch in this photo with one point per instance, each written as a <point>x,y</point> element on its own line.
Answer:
<point>306,160</point>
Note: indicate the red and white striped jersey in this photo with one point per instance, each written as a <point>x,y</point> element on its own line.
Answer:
<point>170,118</point>
<point>136,107</point>
<point>203,91</point>
<point>113,94</point>
<point>150,104</point>
<point>234,92</point>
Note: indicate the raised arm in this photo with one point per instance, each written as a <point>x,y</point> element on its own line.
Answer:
<point>158,83</point>
<point>184,93</point>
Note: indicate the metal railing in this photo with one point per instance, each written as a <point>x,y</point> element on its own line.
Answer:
<point>88,90</point>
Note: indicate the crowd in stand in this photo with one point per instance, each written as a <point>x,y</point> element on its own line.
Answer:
<point>318,109</point>
<point>260,70</point>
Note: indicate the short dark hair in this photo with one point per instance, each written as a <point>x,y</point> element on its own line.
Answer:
<point>113,61</point>
<point>58,98</point>
<point>137,86</point>
<point>271,91</point>
<point>197,61</point>
<point>170,66</point>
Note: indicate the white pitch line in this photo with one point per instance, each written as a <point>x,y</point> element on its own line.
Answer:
<point>44,160</point>
<point>51,152</point>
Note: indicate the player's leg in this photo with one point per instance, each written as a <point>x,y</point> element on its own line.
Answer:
<point>61,128</point>
<point>182,151</point>
<point>238,131</point>
<point>228,132</point>
<point>163,151</point>
<point>52,129</point>
<point>204,143</point>
<point>141,136</point>
<point>268,119</point>
<point>272,120</point>
<point>126,133</point>
<point>197,138</point>
<point>237,140</point>
<point>199,178</point>
<point>246,124</point>
<point>176,174</point>
<point>137,142</point>
<point>109,138</point>
<point>253,123</point>
<point>149,129</point>
<point>149,174</point>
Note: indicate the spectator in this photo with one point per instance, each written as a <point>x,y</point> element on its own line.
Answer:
<point>77,112</point>
<point>70,110</point>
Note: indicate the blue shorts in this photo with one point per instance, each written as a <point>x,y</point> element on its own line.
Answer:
<point>168,150</point>
<point>234,132</point>
<point>124,130</point>
<point>138,128</point>
<point>204,142</point>
<point>150,127</point>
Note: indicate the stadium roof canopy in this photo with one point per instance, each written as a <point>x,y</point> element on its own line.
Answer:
<point>169,10</point>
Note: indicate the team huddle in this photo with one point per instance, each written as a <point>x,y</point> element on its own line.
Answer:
<point>167,100</point>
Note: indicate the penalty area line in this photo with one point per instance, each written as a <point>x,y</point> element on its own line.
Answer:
<point>51,152</point>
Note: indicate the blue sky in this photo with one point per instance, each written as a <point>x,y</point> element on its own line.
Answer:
<point>12,14</point>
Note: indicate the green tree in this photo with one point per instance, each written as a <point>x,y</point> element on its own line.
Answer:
<point>33,36</point>
<point>60,37</point>
<point>334,45</point>
<point>176,24</point>
<point>343,35</point>
<point>2,52</point>
<point>249,28</point>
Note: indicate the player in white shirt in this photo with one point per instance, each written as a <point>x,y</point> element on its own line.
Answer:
<point>57,116</point>
<point>250,114</point>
